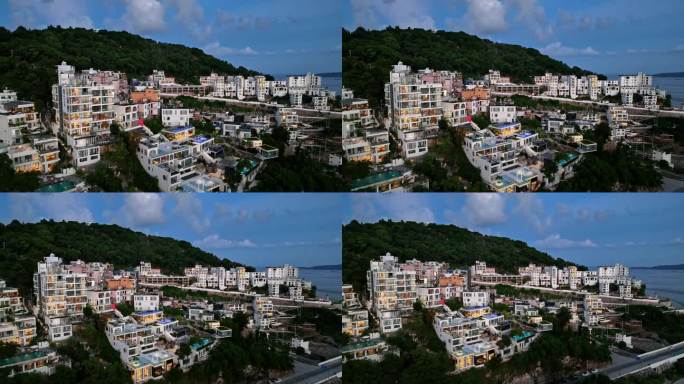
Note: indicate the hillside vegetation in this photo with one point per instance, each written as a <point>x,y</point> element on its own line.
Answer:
<point>368,56</point>
<point>28,58</point>
<point>24,245</point>
<point>460,247</point>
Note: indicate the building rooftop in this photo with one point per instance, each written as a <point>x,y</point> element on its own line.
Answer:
<point>375,179</point>
<point>25,357</point>
<point>361,345</point>
<point>201,344</point>
<point>199,139</point>
<point>522,336</point>
<point>146,313</point>
<point>179,129</point>
<point>151,358</point>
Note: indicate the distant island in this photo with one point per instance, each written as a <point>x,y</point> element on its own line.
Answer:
<point>670,74</point>
<point>330,74</point>
<point>663,267</point>
<point>336,267</point>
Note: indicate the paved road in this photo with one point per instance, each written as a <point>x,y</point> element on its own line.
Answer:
<point>317,375</point>
<point>624,365</point>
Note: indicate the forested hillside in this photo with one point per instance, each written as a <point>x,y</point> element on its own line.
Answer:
<point>23,245</point>
<point>460,247</point>
<point>368,56</point>
<point>28,58</point>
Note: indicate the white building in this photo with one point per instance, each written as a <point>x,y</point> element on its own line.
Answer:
<point>100,301</point>
<point>475,299</point>
<point>60,295</point>
<point>392,290</point>
<point>143,302</point>
<point>84,112</point>
<point>175,117</point>
<point>502,114</point>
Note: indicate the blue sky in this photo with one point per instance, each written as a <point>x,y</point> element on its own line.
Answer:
<point>272,36</point>
<point>605,36</point>
<point>643,229</point>
<point>254,229</point>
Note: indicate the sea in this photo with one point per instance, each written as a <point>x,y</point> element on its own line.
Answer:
<point>328,282</point>
<point>333,83</point>
<point>663,283</point>
<point>674,86</point>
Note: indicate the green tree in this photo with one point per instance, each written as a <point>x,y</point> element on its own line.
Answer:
<point>10,181</point>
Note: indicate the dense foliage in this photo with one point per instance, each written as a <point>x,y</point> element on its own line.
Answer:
<point>93,360</point>
<point>669,326</point>
<point>670,125</point>
<point>363,242</point>
<point>619,170</point>
<point>447,167</point>
<point>26,244</point>
<point>298,173</point>
<point>11,181</point>
<point>327,322</point>
<point>422,358</point>
<point>28,58</point>
<point>231,358</point>
<point>367,57</point>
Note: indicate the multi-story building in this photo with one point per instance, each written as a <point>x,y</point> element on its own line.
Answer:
<point>175,117</point>
<point>475,299</point>
<point>83,110</point>
<point>282,274</point>
<point>129,338</point>
<point>392,290</point>
<point>60,295</point>
<point>143,302</point>
<point>593,310</point>
<point>20,137</point>
<point>630,84</point>
<point>495,153</point>
<point>263,311</point>
<point>10,301</point>
<point>355,322</point>
<point>100,301</point>
<point>39,360</point>
<point>464,338</point>
<point>502,114</point>
<point>349,297</point>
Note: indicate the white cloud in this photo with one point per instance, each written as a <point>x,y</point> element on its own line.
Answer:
<point>677,240</point>
<point>142,16</point>
<point>215,242</point>
<point>555,241</point>
<point>216,49</point>
<point>142,209</point>
<point>189,209</point>
<point>531,208</point>
<point>485,17</point>
<point>190,15</point>
<point>568,20</point>
<point>485,208</point>
<point>533,16</point>
<point>58,207</point>
<point>558,49</point>
<point>39,13</point>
